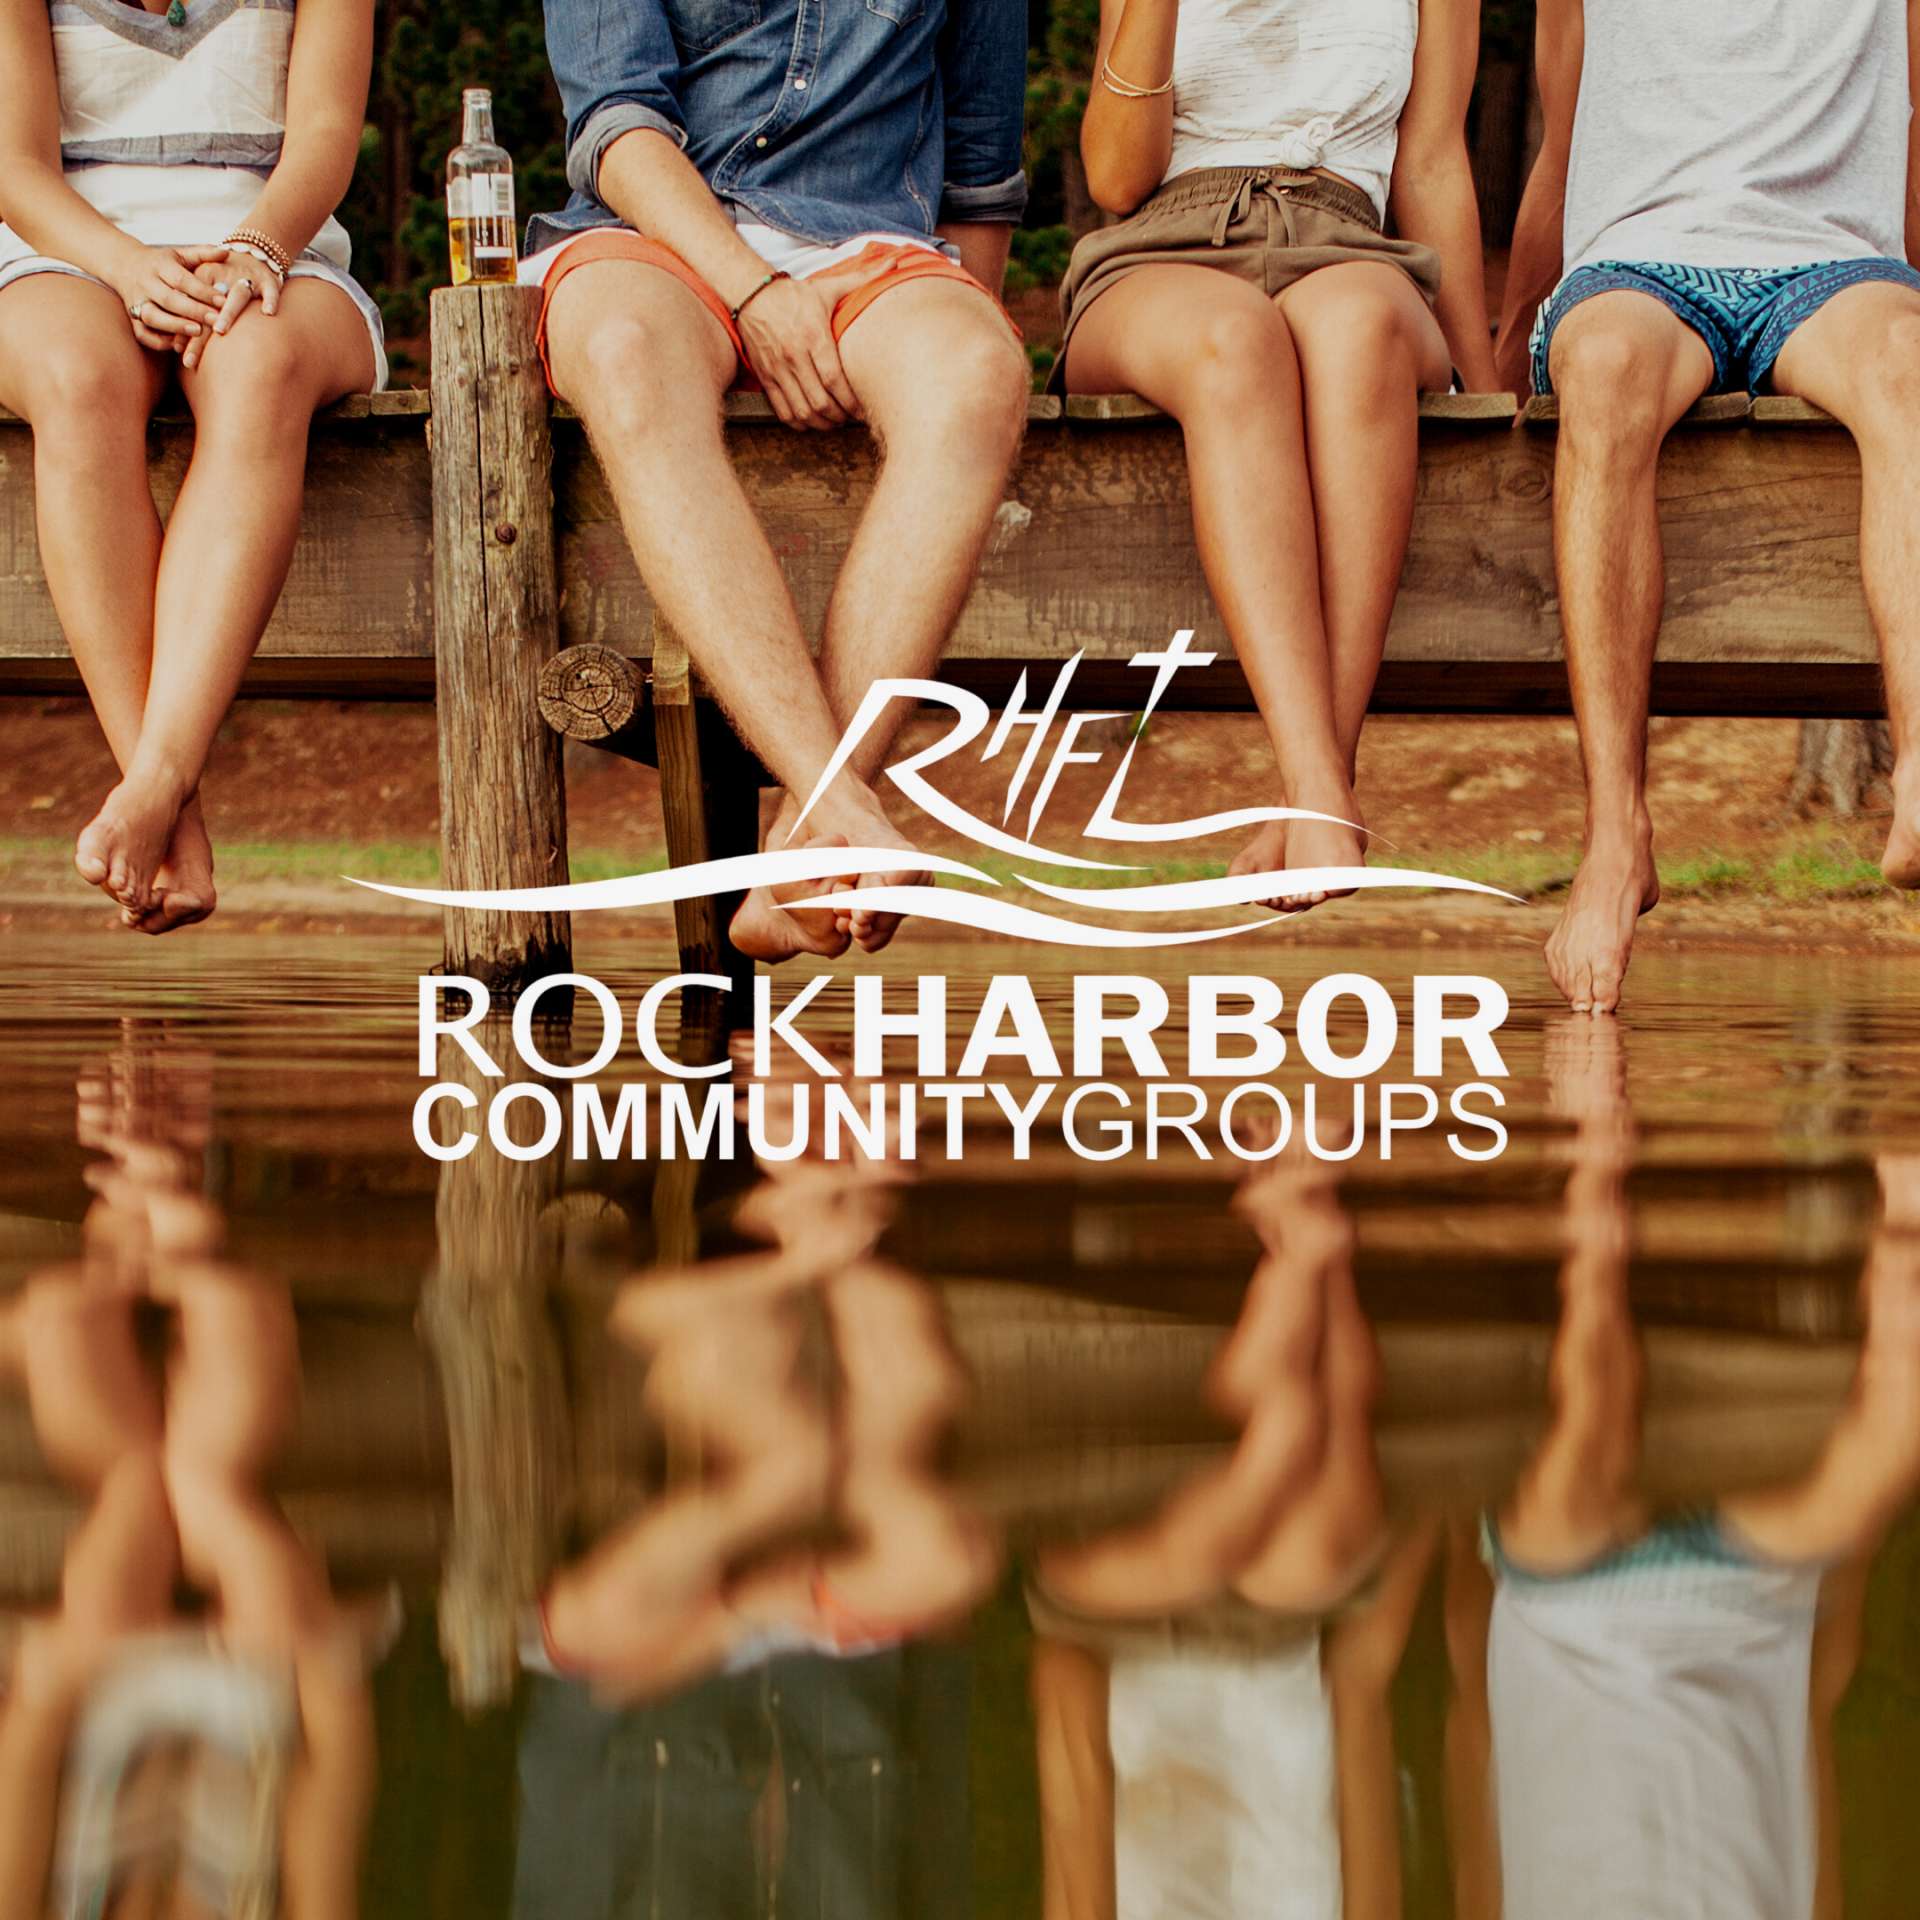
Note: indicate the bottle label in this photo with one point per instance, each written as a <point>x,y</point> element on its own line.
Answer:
<point>482,196</point>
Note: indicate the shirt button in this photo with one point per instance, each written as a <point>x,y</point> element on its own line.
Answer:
<point>762,141</point>
<point>799,86</point>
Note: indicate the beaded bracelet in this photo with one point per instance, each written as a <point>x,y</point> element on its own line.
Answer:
<point>264,245</point>
<point>1126,89</point>
<point>734,313</point>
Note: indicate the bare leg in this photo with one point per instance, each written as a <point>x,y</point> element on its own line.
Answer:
<point>1229,365</point>
<point>1625,369</point>
<point>1870,1466</point>
<point>1576,1500</point>
<point>69,364</point>
<point>646,363</point>
<point>225,558</point>
<point>944,387</point>
<point>1859,357</point>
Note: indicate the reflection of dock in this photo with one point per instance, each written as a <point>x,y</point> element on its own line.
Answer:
<point>1083,1411</point>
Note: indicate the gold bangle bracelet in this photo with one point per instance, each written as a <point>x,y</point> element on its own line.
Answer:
<point>269,249</point>
<point>1126,89</point>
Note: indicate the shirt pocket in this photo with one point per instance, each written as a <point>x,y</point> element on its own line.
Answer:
<point>900,12</point>
<point>701,25</point>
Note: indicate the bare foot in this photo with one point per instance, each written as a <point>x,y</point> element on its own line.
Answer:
<point>766,928</point>
<point>1900,862</point>
<point>1304,843</point>
<point>1588,952</point>
<point>868,929</point>
<point>121,848</point>
<point>183,882</point>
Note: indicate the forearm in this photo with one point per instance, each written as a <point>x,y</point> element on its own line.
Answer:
<point>658,192</point>
<point>43,209</point>
<point>983,248</point>
<point>1434,204</point>
<point>1533,269</point>
<point>310,180</point>
<point>1126,143</point>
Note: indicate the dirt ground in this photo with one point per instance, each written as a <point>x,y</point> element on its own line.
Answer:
<point>297,794</point>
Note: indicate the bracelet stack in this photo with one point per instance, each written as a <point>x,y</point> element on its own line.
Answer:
<point>1126,89</point>
<point>263,246</point>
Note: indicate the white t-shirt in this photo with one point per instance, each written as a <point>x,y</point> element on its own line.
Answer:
<point>1294,83</point>
<point>1225,1790</point>
<point>1651,1743</point>
<point>1746,133</point>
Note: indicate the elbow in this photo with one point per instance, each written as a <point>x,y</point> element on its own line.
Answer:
<point>1116,188</point>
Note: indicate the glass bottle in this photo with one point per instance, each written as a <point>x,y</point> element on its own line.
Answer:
<point>480,225</point>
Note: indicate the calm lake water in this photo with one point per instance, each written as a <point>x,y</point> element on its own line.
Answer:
<point>1021,1535</point>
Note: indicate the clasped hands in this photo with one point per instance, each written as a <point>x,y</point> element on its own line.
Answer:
<point>178,298</point>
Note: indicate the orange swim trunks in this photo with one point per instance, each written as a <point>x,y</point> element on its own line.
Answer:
<point>879,267</point>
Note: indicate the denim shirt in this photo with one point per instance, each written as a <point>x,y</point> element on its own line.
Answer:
<point>824,118</point>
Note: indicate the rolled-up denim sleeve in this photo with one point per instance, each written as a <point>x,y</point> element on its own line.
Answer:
<point>983,71</point>
<point>616,64</point>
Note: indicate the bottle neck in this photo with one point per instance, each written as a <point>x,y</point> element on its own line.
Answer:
<point>479,124</point>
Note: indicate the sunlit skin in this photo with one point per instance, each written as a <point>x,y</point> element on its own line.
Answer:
<point>162,626</point>
<point>1625,369</point>
<point>1293,1522</point>
<point>813,1510</point>
<point>172,1471</point>
<point>1577,1500</point>
<point>1299,412</point>
<point>935,373</point>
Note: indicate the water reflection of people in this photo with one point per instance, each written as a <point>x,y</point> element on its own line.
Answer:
<point>746,1686</point>
<point>1660,1688</point>
<point>1211,1685</point>
<point>154,1758</point>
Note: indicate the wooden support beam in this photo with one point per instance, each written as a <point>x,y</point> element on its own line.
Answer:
<point>503,808</point>
<point>710,796</point>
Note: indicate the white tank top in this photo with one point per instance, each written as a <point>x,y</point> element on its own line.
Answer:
<point>1767,133</point>
<point>168,131</point>
<point>1293,83</point>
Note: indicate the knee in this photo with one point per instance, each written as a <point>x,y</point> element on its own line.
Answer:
<point>79,392</point>
<point>629,373</point>
<point>1364,328</point>
<point>1891,377</point>
<point>1236,351</point>
<point>972,405</point>
<point>1612,391</point>
<point>256,376</point>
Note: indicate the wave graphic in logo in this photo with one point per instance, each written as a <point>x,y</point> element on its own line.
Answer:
<point>949,906</point>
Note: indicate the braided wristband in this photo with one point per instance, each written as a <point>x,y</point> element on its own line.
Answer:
<point>734,313</point>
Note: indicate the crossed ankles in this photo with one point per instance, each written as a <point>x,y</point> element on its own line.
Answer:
<point>1284,844</point>
<point>147,849</point>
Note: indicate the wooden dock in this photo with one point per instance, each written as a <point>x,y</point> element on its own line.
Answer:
<point>455,542</point>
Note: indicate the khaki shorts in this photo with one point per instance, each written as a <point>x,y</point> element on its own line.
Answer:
<point>1270,226</point>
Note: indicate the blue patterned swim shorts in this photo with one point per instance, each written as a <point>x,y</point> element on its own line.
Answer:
<point>1744,314</point>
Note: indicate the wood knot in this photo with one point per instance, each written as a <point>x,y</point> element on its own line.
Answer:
<point>506,533</point>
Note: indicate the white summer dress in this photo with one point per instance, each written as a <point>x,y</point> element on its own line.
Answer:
<point>169,131</point>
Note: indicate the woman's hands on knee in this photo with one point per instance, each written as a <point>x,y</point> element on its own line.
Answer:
<point>165,299</point>
<point>237,279</point>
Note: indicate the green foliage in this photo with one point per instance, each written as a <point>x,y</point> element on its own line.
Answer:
<point>427,53</point>
<point>1038,257</point>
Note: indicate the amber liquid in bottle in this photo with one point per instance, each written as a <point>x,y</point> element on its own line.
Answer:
<point>480,226</point>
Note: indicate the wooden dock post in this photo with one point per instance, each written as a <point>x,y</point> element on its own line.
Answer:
<point>484,1316</point>
<point>503,810</point>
